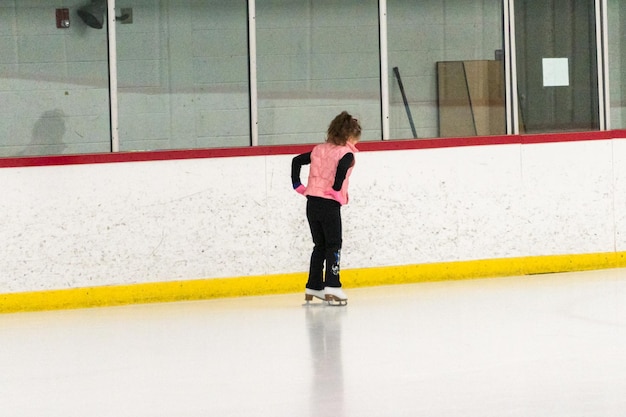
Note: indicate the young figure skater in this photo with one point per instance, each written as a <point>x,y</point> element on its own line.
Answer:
<point>326,191</point>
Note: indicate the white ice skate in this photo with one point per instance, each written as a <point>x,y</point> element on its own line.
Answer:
<point>309,294</point>
<point>335,296</point>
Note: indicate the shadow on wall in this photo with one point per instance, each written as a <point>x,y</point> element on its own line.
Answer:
<point>48,133</point>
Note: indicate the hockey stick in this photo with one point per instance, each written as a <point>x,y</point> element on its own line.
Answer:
<point>396,72</point>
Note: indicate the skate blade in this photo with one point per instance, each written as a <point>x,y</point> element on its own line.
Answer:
<point>333,301</point>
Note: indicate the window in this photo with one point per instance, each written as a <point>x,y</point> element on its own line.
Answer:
<point>556,65</point>
<point>446,68</point>
<point>184,74</point>
<point>617,62</point>
<point>316,59</point>
<point>54,96</point>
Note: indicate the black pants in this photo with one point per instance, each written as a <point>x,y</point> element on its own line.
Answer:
<point>324,218</point>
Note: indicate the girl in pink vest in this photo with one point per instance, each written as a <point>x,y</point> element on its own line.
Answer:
<point>326,191</point>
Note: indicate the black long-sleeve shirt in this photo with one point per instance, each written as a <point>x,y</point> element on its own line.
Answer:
<point>305,159</point>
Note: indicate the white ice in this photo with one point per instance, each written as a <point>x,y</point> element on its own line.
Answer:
<point>539,346</point>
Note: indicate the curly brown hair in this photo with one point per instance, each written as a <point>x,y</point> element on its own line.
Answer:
<point>342,127</point>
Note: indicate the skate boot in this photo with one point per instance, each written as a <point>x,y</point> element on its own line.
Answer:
<point>309,294</point>
<point>335,296</point>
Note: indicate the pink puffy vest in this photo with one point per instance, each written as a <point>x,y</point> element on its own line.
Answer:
<point>324,160</point>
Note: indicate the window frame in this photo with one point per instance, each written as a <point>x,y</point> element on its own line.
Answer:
<point>386,142</point>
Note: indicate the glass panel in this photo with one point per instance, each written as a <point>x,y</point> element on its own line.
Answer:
<point>183,75</point>
<point>556,65</point>
<point>54,96</point>
<point>446,73</point>
<point>315,59</point>
<point>617,62</point>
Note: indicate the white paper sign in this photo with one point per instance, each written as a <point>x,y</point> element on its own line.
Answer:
<point>555,72</point>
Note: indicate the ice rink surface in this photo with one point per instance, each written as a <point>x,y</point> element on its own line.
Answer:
<point>538,346</point>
